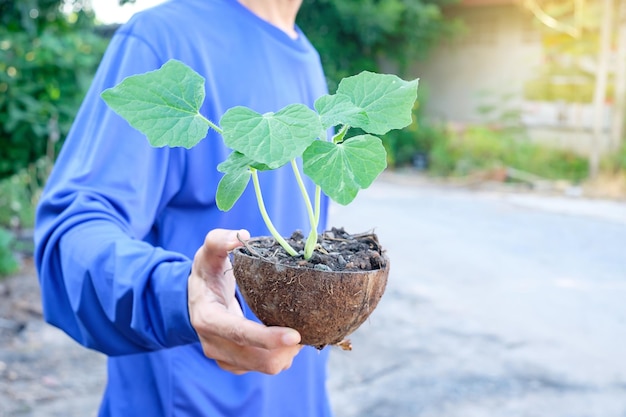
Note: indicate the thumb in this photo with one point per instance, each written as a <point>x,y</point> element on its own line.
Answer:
<point>218,242</point>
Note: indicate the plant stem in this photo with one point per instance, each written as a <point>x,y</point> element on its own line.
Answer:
<point>312,238</point>
<point>266,218</point>
<point>212,125</point>
<point>305,195</point>
<point>318,204</point>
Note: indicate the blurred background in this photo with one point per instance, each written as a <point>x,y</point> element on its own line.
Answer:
<point>509,189</point>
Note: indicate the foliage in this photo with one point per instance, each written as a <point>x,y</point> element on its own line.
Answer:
<point>357,35</point>
<point>411,146</point>
<point>19,194</point>
<point>373,103</point>
<point>442,158</point>
<point>8,263</point>
<point>481,148</point>
<point>621,158</point>
<point>47,60</point>
<point>414,145</point>
<point>615,162</point>
<point>501,109</point>
<point>49,52</point>
<point>568,73</point>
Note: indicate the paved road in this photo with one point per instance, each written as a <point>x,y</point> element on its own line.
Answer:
<point>498,305</point>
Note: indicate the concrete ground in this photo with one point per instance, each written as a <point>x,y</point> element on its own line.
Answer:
<point>498,304</point>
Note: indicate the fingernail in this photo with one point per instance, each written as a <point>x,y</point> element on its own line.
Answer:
<point>239,237</point>
<point>291,338</point>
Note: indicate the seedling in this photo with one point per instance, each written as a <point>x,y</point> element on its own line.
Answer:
<point>165,106</point>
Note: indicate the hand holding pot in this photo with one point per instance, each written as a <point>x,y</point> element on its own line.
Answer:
<point>237,344</point>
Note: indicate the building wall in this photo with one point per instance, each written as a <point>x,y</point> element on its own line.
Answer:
<point>486,65</point>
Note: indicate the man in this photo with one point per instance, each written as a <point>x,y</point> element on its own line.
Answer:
<point>125,263</point>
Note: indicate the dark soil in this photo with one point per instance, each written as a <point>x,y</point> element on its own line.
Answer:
<point>336,250</point>
<point>325,298</point>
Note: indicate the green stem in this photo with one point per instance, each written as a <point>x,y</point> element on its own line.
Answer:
<point>305,195</point>
<point>309,246</point>
<point>212,125</point>
<point>266,218</point>
<point>318,204</point>
<point>312,238</point>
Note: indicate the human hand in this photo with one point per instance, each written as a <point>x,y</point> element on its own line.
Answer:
<point>237,344</point>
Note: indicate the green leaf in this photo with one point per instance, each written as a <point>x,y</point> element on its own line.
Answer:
<point>272,139</point>
<point>237,175</point>
<point>341,170</point>
<point>230,188</point>
<point>237,162</point>
<point>163,104</point>
<point>338,109</point>
<point>386,99</point>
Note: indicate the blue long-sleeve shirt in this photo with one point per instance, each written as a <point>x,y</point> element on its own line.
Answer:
<point>119,221</point>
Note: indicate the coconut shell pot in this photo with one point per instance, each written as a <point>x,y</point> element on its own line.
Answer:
<point>324,306</point>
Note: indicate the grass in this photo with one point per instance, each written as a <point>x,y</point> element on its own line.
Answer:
<point>480,148</point>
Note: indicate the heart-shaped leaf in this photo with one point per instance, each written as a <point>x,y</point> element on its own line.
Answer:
<point>272,139</point>
<point>163,104</point>
<point>386,99</point>
<point>338,109</point>
<point>341,170</point>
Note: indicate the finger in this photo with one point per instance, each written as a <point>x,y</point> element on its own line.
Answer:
<point>231,368</point>
<point>244,332</point>
<point>219,242</point>
<point>241,360</point>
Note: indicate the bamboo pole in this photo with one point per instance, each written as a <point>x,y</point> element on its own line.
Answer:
<point>599,95</point>
<point>619,109</point>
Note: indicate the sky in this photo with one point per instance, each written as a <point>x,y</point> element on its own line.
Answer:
<point>109,11</point>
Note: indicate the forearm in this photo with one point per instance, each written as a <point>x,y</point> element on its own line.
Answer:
<point>113,293</point>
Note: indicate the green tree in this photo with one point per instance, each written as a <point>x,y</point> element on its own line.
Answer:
<point>49,51</point>
<point>356,35</point>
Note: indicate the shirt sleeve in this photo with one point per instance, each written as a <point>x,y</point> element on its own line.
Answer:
<point>101,282</point>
